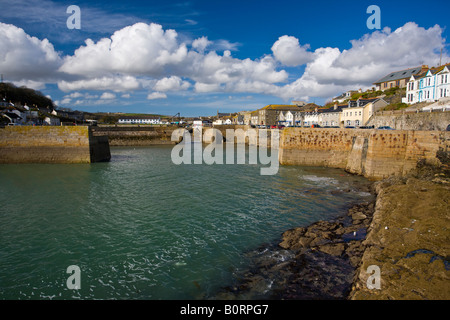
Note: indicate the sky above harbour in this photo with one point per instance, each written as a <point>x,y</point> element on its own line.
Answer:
<point>197,57</point>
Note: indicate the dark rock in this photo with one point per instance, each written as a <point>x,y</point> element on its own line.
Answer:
<point>358,216</point>
<point>304,242</point>
<point>315,262</point>
<point>335,249</point>
<point>291,237</point>
<point>318,242</point>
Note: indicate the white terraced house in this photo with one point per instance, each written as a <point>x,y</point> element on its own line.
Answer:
<point>359,112</point>
<point>139,120</point>
<point>430,86</point>
<point>290,118</point>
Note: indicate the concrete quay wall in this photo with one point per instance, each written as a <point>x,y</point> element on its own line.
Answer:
<point>67,144</point>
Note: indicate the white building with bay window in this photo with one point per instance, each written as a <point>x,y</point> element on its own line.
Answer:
<point>429,87</point>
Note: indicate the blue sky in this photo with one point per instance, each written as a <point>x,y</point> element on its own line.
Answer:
<point>197,57</point>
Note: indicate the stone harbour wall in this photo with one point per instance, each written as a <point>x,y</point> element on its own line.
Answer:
<point>437,120</point>
<point>66,144</point>
<point>135,136</point>
<point>375,154</point>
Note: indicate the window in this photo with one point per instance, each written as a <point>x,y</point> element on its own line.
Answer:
<point>357,123</point>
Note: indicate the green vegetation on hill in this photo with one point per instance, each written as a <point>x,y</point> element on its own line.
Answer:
<point>391,95</point>
<point>24,95</point>
<point>395,106</point>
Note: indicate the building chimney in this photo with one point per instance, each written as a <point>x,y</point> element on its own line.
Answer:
<point>316,109</point>
<point>335,106</point>
<point>424,68</point>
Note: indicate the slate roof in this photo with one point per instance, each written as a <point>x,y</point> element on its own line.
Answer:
<point>402,74</point>
<point>331,110</point>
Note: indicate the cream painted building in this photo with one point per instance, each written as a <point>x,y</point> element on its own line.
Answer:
<point>359,112</point>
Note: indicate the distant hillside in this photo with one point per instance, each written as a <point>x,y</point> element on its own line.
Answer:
<point>23,95</point>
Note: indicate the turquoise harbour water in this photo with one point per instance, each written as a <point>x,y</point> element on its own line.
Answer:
<point>140,227</point>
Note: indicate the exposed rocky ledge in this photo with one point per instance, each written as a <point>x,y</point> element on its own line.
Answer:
<point>314,262</point>
<point>405,233</point>
<point>409,239</point>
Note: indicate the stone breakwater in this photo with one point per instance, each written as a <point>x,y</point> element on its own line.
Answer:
<point>375,154</point>
<point>135,136</point>
<point>71,144</point>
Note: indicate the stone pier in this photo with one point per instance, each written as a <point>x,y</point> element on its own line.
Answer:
<point>51,144</point>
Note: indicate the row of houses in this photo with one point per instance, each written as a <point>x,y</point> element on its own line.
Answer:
<point>24,115</point>
<point>355,113</point>
<point>139,119</point>
<point>18,114</point>
<point>149,120</point>
<point>423,84</point>
<point>428,86</point>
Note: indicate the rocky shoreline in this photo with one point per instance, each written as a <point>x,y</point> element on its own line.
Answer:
<point>404,232</point>
<point>314,262</point>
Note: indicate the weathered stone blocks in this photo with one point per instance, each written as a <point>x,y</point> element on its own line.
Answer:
<point>71,144</point>
<point>375,154</point>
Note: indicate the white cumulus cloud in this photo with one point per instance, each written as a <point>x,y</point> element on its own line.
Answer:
<point>371,57</point>
<point>25,58</point>
<point>201,43</point>
<point>147,57</point>
<point>288,51</point>
<point>107,96</point>
<point>173,83</point>
<point>115,83</point>
<point>156,95</point>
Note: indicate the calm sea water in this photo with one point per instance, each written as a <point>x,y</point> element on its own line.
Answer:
<point>140,227</point>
